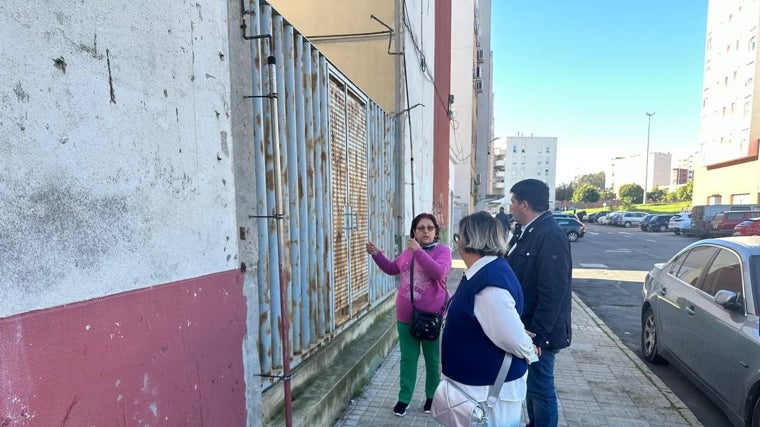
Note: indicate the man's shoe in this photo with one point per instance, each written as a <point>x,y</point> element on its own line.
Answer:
<point>400,409</point>
<point>428,405</point>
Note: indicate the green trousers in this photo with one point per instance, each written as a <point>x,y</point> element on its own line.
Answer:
<point>409,347</point>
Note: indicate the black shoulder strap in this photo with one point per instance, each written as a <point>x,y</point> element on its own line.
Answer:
<point>411,280</point>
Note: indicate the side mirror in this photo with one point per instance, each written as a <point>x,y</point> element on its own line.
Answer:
<point>729,300</point>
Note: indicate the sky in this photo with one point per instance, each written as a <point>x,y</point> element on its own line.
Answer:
<point>588,71</point>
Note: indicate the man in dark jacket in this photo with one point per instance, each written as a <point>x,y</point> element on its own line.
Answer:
<point>541,260</point>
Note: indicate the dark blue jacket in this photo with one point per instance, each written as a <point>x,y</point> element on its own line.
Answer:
<point>467,354</point>
<point>543,265</point>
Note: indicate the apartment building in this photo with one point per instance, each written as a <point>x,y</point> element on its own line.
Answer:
<point>728,169</point>
<point>522,157</point>
<point>631,170</point>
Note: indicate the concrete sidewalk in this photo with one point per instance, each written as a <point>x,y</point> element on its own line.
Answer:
<point>599,381</point>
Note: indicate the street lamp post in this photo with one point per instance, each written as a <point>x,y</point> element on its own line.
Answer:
<point>646,159</point>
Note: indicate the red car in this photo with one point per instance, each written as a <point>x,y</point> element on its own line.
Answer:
<point>750,227</point>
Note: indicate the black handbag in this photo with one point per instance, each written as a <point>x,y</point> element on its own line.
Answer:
<point>425,325</point>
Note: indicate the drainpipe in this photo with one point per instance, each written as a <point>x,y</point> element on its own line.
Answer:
<point>279,217</point>
<point>279,213</point>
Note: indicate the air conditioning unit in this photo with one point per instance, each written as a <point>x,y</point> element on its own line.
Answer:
<point>478,85</point>
<point>480,55</point>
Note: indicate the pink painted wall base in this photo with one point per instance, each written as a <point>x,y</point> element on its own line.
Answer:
<point>165,355</point>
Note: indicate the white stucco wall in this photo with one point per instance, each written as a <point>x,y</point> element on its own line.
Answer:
<point>116,168</point>
<point>461,136</point>
<point>421,91</point>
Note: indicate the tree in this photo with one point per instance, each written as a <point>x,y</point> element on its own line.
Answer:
<point>586,194</point>
<point>594,179</point>
<point>658,194</point>
<point>564,192</point>
<point>631,191</point>
<point>606,194</point>
<point>685,192</point>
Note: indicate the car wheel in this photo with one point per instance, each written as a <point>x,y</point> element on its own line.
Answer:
<point>649,338</point>
<point>572,236</point>
<point>627,224</point>
<point>755,421</point>
<point>663,228</point>
<point>677,232</point>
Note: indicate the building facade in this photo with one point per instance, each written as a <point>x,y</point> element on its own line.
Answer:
<point>184,223</point>
<point>483,84</point>
<point>728,169</point>
<point>631,170</point>
<point>523,157</point>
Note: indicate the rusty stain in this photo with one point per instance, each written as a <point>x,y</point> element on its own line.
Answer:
<point>68,411</point>
<point>60,63</point>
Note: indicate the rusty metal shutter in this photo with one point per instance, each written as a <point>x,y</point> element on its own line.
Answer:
<point>339,183</point>
<point>356,113</point>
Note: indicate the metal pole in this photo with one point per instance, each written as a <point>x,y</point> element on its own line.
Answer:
<point>646,160</point>
<point>279,218</point>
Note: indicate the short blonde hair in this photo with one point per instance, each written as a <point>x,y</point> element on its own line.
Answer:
<point>481,233</point>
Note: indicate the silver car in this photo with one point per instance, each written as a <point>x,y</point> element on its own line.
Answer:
<point>700,312</point>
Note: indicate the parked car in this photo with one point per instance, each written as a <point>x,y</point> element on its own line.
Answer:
<point>700,313</point>
<point>723,223</point>
<point>644,224</point>
<point>565,215</point>
<point>610,218</point>
<point>702,216</point>
<point>750,227</point>
<point>594,217</point>
<point>573,228</point>
<point>680,223</point>
<point>628,219</point>
<point>659,222</point>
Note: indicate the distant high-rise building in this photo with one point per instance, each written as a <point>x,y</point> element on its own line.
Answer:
<point>523,157</point>
<point>729,169</point>
<point>630,170</point>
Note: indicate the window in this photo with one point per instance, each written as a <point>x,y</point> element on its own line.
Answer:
<point>695,263</point>
<point>751,44</point>
<point>514,148</point>
<point>547,150</point>
<point>724,274</point>
<point>676,264</point>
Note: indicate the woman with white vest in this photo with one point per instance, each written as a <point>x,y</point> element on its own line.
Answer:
<point>483,322</point>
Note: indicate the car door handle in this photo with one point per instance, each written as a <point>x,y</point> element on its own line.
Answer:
<point>690,310</point>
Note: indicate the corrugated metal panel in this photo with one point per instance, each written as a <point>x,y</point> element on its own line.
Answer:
<point>327,129</point>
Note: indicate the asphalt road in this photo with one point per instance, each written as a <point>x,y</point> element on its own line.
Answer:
<point>609,265</point>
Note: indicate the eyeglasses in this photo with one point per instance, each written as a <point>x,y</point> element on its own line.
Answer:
<point>423,228</point>
<point>456,237</point>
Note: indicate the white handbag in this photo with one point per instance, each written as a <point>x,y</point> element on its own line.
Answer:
<point>452,407</point>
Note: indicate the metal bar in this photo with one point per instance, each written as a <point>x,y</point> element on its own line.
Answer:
<point>296,196</point>
<point>319,219</point>
<point>309,328</point>
<point>291,260</point>
<point>303,208</point>
<point>328,212</point>
<point>278,208</point>
<point>266,337</point>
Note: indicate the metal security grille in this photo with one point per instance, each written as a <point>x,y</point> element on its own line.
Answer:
<point>348,118</point>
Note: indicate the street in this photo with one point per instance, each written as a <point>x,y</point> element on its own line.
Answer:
<point>609,265</point>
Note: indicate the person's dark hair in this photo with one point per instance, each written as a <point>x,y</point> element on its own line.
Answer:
<point>481,233</point>
<point>533,191</point>
<point>417,220</point>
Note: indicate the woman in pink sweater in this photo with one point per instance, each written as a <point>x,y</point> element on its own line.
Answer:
<point>432,263</point>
